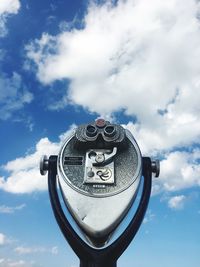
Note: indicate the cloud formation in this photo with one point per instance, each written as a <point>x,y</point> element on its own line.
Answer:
<point>32,250</point>
<point>15,263</point>
<point>7,7</point>
<point>142,59</point>
<point>133,58</point>
<point>23,173</point>
<point>149,217</point>
<point>13,95</point>
<point>2,239</point>
<point>10,210</point>
<point>177,202</point>
<point>128,57</point>
<point>180,170</point>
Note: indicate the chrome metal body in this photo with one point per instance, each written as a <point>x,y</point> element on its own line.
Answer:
<point>98,205</point>
<point>99,171</point>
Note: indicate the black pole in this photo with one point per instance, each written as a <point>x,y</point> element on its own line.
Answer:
<point>106,257</point>
<point>93,263</point>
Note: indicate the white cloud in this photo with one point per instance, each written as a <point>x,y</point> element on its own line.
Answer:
<point>11,210</point>
<point>5,240</point>
<point>24,250</point>
<point>177,202</point>
<point>24,172</point>
<point>13,95</point>
<point>24,175</point>
<point>54,250</point>
<point>149,216</point>
<point>32,250</point>
<point>7,7</point>
<point>140,58</point>
<point>135,56</point>
<point>164,136</point>
<point>180,170</point>
<point>14,263</point>
<point>2,239</point>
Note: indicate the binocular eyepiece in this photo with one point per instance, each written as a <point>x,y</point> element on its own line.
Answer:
<point>100,133</point>
<point>108,131</point>
<point>102,127</point>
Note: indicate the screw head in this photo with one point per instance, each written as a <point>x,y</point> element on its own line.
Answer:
<point>100,158</point>
<point>90,174</point>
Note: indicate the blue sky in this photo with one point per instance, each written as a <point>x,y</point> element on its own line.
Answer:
<point>134,62</point>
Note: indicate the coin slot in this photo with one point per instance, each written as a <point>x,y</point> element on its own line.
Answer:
<point>73,160</point>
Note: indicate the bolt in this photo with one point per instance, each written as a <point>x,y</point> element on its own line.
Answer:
<point>90,173</point>
<point>100,158</point>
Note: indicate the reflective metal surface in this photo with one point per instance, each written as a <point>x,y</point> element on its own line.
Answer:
<point>127,165</point>
<point>99,171</point>
<point>99,185</point>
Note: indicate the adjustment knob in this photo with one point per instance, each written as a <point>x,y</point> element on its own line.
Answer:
<point>155,167</point>
<point>44,165</point>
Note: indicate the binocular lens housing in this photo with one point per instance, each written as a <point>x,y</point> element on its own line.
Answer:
<point>91,130</point>
<point>110,131</point>
<point>100,134</point>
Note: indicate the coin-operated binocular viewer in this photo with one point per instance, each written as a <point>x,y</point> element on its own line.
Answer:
<point>99,170</point>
